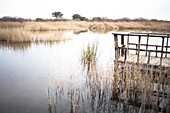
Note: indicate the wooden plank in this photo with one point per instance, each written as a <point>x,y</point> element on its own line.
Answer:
<point>162,51</point>
<point>156,68</point>
<point>166,47</point>
<point>149,57</point>
<point>147,44</point>
<point>116,46</point>
<point>138,49</point>
<point>122,43</point>
<point>143,35</point>
<point>156,51</point>
<point>125,54</point>
<point>127,44</point>
<point>118,52</point>
<point>149,33</point>
<point>148,50</point>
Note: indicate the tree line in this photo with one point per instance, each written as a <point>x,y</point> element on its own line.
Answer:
<point>59,17</point>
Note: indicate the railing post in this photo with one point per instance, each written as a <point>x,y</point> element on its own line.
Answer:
<point>167,46</point>
<point>147,44</point>
<point>156,51</point>
<point>116,46</point>
<point>122,43</point>
<point>162,51</point>
<point>125,54</point>
<point>149,57</point>
<point>128,44</point>
<point>138,49</point>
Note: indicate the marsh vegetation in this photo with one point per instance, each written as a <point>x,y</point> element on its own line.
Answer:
<point>46,69</point>
<point>119,88</point>
<point>26,31</point>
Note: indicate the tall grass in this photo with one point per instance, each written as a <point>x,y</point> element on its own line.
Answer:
<point>46,26</point>
<point>119,88</point>
<point>22,35</point>
<point>15,35</point>
<point>89,54</point>
<point>147,25</point>
<point>21,32</point>
<point>33,31</point>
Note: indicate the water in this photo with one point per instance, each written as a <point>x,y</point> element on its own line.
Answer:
<point>33,74</point>
<point>24,69</point>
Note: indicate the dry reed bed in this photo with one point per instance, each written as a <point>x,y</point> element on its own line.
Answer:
<point>75,25</point>
<point>46,26</point>
<point>30,31</point>
<point>22,32</point>
<point>148,25</point>
<point>115,89</point>
<point>21,35</point>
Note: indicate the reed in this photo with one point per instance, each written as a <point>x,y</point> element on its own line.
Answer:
<point>90,53</point>
<point>147,25</point>
<point>15,35</point>
<point>118,88</point>
<point>21,32</point>
<point>22,35</point>
<point>47,26</point>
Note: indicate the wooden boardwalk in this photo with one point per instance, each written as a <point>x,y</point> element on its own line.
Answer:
<point>122,52</point>
<point>136,67</point>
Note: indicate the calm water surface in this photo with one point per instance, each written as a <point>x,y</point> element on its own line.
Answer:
<point>24,69</point>
<point>27,72</point>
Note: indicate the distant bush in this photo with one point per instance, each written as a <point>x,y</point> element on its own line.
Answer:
<point>6,18</point>
<point>78,17</point>
<point>81,18</point>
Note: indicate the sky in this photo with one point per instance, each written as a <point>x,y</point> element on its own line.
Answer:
<point>113,9</point>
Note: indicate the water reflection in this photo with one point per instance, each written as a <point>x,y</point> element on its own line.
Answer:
<point>117,89</point>
<point>49,36</point>
<point>50,77</point>
<point>15,46</point>
<point>79,31</point>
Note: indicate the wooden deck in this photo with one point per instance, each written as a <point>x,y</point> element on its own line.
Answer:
<point>122,52</point>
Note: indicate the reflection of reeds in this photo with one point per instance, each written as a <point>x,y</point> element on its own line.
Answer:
<point>139,86</point>
<point>119,88</point>
<point>15,46</point>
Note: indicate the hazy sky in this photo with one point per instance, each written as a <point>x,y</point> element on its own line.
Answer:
<point>150,9</point>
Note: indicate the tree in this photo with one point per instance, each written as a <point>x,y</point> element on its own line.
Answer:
<point>77,16</point>
<point>58,15</point>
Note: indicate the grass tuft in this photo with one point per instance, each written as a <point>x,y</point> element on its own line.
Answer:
<point>90,53</point>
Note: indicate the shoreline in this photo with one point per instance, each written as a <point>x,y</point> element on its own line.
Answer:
<point>24,31</point>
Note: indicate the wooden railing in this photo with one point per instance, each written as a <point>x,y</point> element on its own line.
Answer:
<point>124,49</point>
